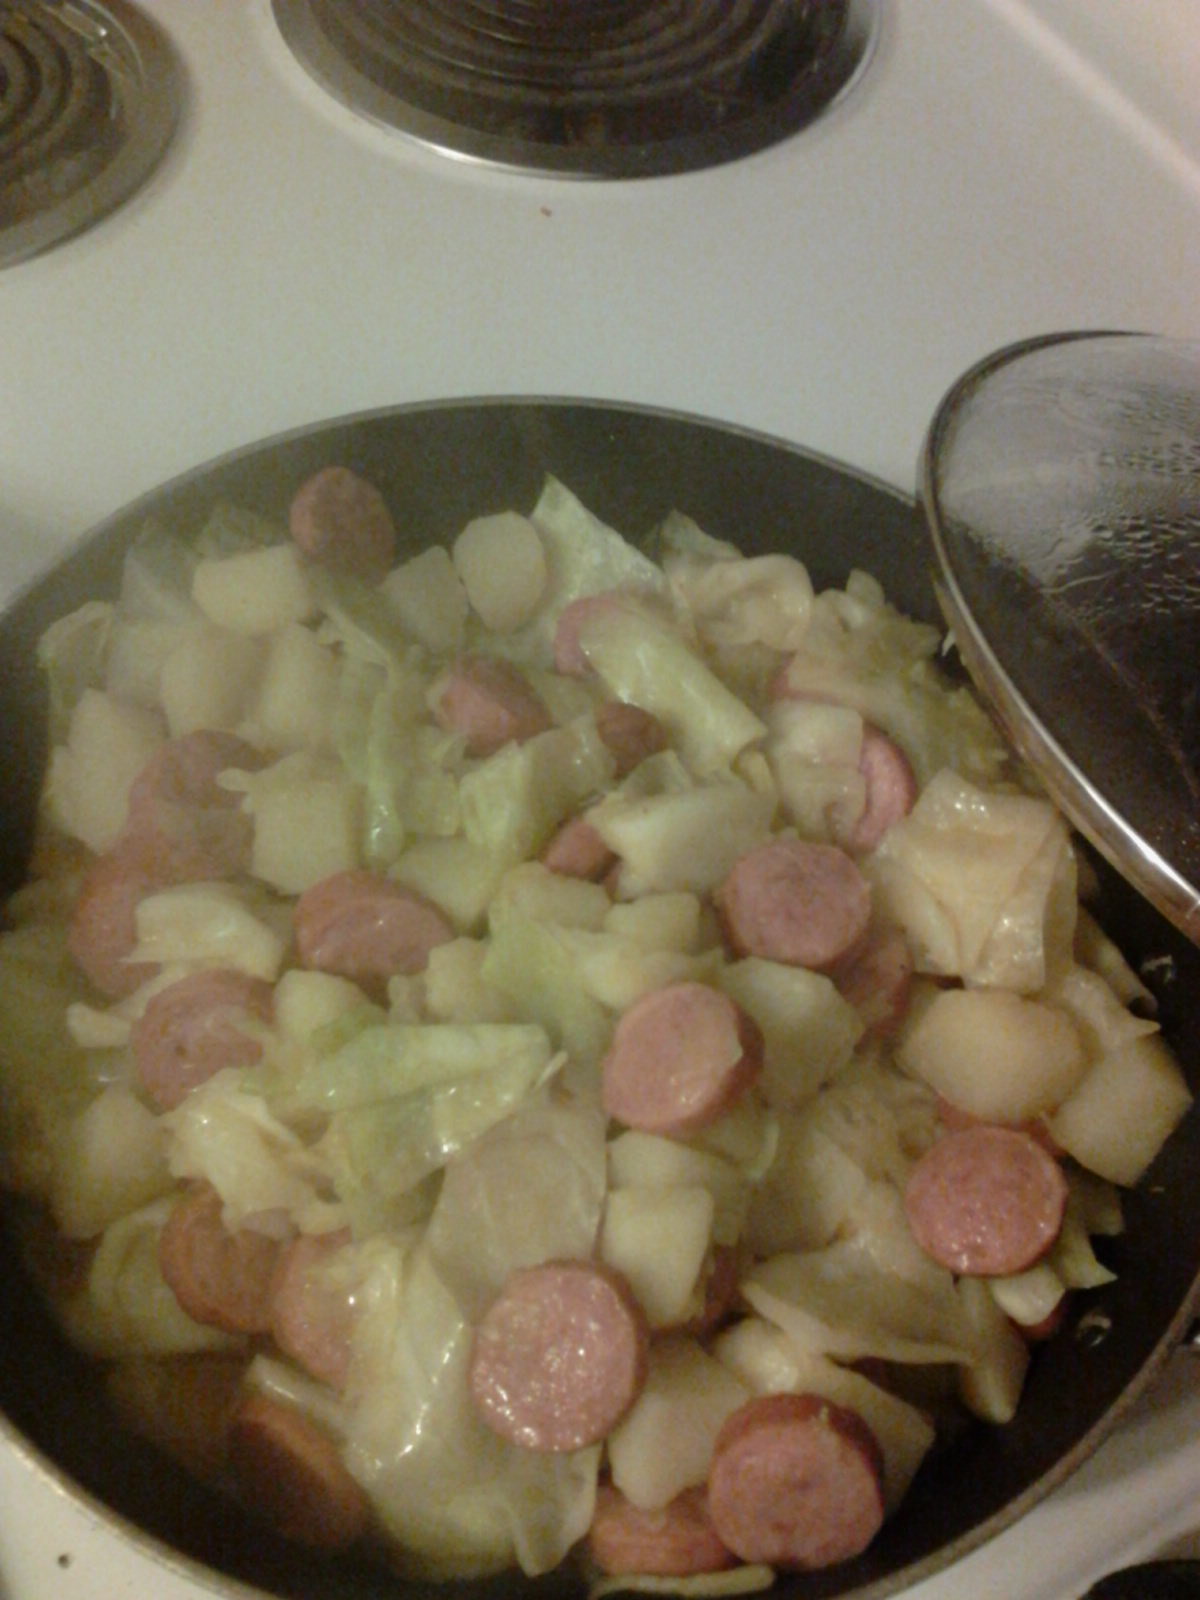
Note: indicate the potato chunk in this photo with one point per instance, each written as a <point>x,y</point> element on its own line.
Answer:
<point>1118,1118</point>
<point>994,1053</point>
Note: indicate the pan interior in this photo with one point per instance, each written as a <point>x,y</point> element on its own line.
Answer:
<point>440,465</point>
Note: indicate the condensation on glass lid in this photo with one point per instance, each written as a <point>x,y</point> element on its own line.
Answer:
<point>1061,484</point>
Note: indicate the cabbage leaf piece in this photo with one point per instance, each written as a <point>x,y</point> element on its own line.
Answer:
<point>984,884</point>
<point>530,1190</point>
<point>459,1501</point>
<point>838,1302</point>
<point>228,1136</point>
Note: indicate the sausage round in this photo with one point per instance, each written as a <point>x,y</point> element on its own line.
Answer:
<point>491,703</point>
<point>312,1319</point>
<point>790,900</point>
<point>986,1200</point>
<point>578,851</point>
<point>891,789</point>
<point>676,1541</point>
<point>367,928</point>
<point>342,522</point>
<point>955,1118</point>
<point>188,827</point>
<point>876,979</point>
<point>630,734</point>
<point>102,931</point>
<point>680,1057</point>
<point>721,1288</point>
<point>559,1356</point>
<point>292,1471</point>
<point>195,1027</point>
<point>795,1481</point>
<point>220,1278</point>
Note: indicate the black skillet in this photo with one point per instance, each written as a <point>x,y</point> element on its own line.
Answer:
<point>439,465</point>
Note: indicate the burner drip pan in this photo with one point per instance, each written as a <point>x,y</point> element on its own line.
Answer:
<point>595,88</point>
<point>88,103</point>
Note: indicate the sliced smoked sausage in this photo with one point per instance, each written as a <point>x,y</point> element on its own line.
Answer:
<point>986,1200</point>
<point>677,1540</point>
<point>578,851</point>
<point>790,900</point>
<point>292,1472</point>
<point>559,1356</point>
<point>195,1027</point>
<point>891,789</point>
<point>313,1316</point>
<point>367,928</point>
<point>490,702</point>
<point>680,1057</point>
<point>876,979</point>
<point>221,1278</point>
<point>102,931</point>
<point>795,1481</point>
<point>630,734</point>
<point>186,825</point>
<point>342,522</point>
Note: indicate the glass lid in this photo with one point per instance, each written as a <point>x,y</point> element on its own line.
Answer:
<point>1061,483</point>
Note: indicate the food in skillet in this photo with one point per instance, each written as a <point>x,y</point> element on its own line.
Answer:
<point>528,1053</point>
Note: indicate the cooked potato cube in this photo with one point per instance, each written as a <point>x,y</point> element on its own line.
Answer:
<point>993,1053</point>
<point>1118,1118</point>
<point>254,591</point>
<point>665,1442</point>
<point>502,564</point>
<point>639,1223</point>
<point>87,786</point>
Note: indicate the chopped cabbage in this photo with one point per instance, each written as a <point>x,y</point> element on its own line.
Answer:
<point>649,663</point>
<point>459,1501</point>
<point>982,883</point>
<point>457,1134</point>
<point>261,1168</point>
<point>383,1060</point>
<point>842,1302</point>
<point>583,556</point>
<point>513,801</point>
<point>531,1189</point>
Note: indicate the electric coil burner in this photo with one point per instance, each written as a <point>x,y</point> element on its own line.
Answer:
<point>600,88</point>
<point>88,102</point>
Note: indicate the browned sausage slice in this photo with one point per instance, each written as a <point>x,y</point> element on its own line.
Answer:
<point>797,902</point>
<point>220,1278</point>
<point>367,928</point>
<point>956,1118</point>
<point>491,703</point>
<point>103,928</point>
<point>578,851</point>
<point>986,1200</point>
<point>795,1482</point>
<point>291,1471</point>
<point>891,789</point>
<point>630,734</point>
<point>677,1541</point>
<point>312,1319</point>
<point>722,1287</point>
<point>680,1057</point>
<point>188,827</point>
<point>342,522</point>
<point>876,979</point>
<point>195,1027</point>
<point>559,1356</point>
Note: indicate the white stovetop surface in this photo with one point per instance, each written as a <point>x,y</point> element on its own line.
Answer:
<point>1007,167</point>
